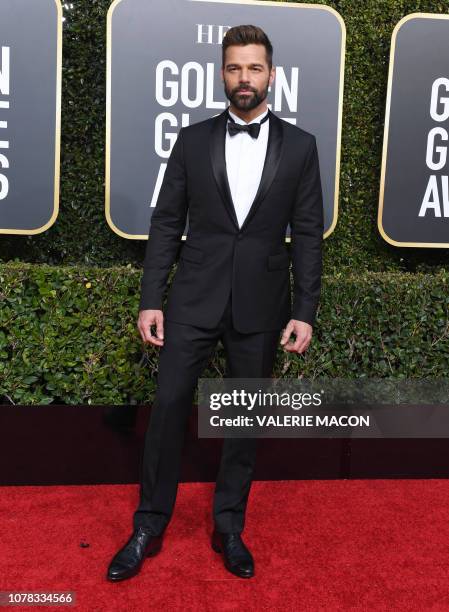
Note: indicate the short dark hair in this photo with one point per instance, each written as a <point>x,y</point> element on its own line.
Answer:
<point>247,35</point>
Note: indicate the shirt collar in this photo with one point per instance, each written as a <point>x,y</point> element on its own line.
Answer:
<point>257,119</point>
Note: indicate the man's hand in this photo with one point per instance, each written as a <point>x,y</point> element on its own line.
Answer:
<point>148,319</point>
<point>303,333</point>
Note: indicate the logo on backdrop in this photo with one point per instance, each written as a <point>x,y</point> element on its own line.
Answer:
<point>414,193</point>
<point>158,84</point>
<point>30,93</point>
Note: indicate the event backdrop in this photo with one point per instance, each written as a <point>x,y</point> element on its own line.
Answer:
<point>164,60</point>
<point>30,107</point>
<point>414,192</point>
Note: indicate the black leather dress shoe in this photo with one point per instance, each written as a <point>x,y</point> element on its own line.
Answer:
<point>129,559</point>
<point>237,558</point>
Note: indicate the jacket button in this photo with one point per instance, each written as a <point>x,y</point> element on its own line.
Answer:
<point>239,236</point>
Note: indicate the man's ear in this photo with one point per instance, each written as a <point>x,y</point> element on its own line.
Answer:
<point>272,75</point>
<point>222,74</point>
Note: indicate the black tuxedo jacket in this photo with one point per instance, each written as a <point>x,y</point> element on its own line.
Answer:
<point>253,261</point>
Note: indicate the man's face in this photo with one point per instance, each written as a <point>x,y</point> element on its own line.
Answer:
<point>246,75</point>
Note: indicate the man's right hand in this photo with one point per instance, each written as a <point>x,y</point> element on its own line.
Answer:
<point>148,319</point>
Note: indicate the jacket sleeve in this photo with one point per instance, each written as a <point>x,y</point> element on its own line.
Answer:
<point>167,225</point>
<point>307,226</point>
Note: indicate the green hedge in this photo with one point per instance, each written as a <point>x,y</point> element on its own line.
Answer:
<point>69,335</point>
<point>81,235</point>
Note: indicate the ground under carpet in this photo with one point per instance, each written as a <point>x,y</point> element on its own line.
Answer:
<point>318,545</point>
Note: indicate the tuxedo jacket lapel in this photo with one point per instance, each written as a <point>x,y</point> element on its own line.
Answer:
<point>270,167</point>
<point>218,159</point>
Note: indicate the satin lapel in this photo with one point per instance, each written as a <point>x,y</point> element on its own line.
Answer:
<point>272,158</point>
<point>218,159</point>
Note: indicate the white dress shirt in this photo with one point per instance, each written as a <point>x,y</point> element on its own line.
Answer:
<point>245,157</point>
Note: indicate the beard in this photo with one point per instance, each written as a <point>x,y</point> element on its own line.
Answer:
<point>249,100</point>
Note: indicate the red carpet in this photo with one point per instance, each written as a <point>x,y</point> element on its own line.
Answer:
<point>318,545</point>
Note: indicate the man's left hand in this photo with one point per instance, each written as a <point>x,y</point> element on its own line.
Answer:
<point>303,333</point>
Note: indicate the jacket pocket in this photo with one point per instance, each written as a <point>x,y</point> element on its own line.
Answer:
<point>278,261</point>
<point>191,253</point>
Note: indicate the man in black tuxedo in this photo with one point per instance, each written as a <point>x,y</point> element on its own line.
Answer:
<point>242,177</point>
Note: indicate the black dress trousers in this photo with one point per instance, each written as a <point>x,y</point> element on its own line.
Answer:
<point>182,359</point>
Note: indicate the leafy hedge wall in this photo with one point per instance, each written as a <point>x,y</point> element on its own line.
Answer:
<point>81,235</point>
<point>69,335</point>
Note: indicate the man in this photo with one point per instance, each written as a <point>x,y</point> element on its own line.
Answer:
<point>242,176</point>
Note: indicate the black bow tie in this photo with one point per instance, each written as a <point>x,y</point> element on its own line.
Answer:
<point>253,129</point>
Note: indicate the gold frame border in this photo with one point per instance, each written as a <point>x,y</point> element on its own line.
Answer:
<point>400,23</point>
<point>55,213</point>
<point>115,3</point>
